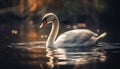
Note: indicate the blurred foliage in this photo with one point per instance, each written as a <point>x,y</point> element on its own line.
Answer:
<point>97,14</point>
<point>69,11</point>
<point>65,9</point>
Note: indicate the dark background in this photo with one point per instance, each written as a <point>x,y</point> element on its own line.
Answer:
<point>111,22</point>
<point>15,13</point>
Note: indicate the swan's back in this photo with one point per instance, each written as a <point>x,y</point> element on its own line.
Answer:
<point>74,38</point>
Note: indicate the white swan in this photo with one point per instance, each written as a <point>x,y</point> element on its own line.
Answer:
<point>73,38</point>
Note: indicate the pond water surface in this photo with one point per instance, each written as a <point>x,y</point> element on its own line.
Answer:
<point>34,55</point>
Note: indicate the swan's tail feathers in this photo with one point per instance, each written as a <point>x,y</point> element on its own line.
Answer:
<point>101,36</point>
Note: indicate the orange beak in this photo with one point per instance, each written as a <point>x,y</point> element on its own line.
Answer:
<point>43,24</point>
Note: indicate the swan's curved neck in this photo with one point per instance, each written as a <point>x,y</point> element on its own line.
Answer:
<point>53,33</point>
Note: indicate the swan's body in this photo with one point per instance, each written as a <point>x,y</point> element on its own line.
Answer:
<point>73,38</point>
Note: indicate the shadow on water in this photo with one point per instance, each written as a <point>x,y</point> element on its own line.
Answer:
<point>35,56</point>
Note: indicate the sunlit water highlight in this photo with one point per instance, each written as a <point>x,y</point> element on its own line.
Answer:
<point>35,55</point>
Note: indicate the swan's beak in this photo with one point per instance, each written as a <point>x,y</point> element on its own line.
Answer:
<point>43,24</point>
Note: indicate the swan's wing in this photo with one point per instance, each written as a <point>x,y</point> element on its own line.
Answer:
<point>74,37</point>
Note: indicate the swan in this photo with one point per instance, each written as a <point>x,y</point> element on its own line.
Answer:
<point>72,38</point>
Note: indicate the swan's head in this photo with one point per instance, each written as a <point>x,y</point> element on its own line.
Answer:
<point>48,18</point>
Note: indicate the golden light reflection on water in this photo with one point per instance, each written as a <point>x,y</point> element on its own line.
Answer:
<point>50,58</point>
<point>50,63</point>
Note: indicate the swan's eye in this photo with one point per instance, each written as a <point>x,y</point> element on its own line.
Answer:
<point>44,20</point>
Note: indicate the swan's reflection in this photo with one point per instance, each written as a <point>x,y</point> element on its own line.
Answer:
<point>49,54</point>
<point>51,58</point>
<point>47,58</point>
<point>61,56</point>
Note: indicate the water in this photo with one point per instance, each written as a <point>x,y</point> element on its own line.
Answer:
<point>34,55</point>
